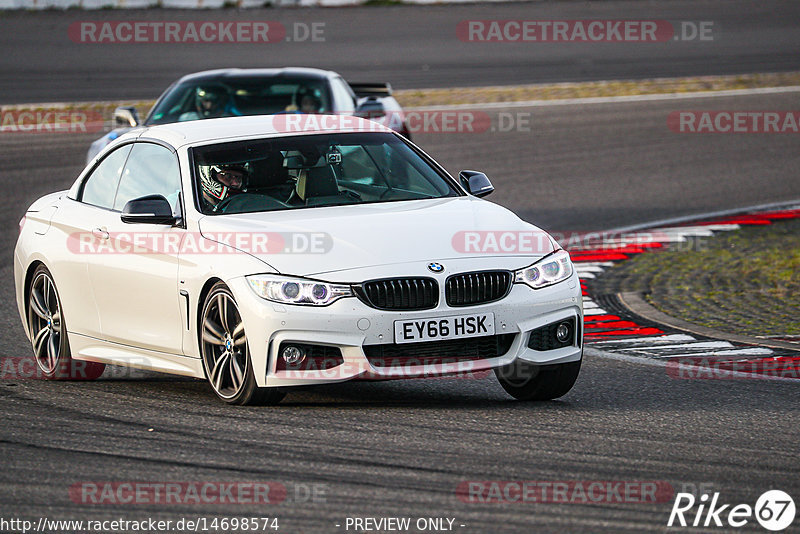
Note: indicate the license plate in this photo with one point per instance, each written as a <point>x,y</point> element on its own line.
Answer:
<point>441,328</point>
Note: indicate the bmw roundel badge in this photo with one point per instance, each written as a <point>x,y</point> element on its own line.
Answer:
<point>435,267</point>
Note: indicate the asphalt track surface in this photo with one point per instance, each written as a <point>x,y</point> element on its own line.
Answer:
<point>411,47</point>
<point>402,448</point>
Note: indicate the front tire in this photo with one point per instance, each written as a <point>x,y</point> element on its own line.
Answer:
<point>528,382</point>
<point>225,352</point>
<point>48,331</point>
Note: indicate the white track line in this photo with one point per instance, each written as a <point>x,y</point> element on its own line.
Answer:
<point>589,268</point>
<point>706,216</point>
<point>698,231</point>
<point>722,227</point>
<point>616,99</point>
<point>665,237</point>
<point>649,340</point>
<point>690,346</point>
<point>720,353</point>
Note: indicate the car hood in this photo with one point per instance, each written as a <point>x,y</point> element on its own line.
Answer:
<point>342,239</point>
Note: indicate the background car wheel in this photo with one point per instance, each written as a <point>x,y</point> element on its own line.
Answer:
<point>48,331</point>
<point>525,381</point>
<point>225,353</point>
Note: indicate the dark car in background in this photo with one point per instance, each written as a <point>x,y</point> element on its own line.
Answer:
<point>234,92</point>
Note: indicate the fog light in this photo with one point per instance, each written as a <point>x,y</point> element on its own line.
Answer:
<point>563,332</point>
<point>292,355</point>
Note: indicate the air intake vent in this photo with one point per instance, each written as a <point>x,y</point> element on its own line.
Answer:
<point>400,294</point>
<point>468,289</point>
<point>438,352</point>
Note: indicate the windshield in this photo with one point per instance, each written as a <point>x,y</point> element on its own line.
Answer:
<point>241,96</point>
<point>312,171</point>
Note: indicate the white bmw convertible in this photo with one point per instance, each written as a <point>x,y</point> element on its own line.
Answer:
<point>263,253</point>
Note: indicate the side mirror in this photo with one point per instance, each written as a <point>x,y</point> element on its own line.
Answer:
<point>126,117</point>
<point>152,209</point>
<point>371,108</point>
<point>476,183</point>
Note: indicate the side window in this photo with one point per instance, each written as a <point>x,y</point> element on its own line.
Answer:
<point>101,186</point>
<point>342,95</point>
<point>151,170</point>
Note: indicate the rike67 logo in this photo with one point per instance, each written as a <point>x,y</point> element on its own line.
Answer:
<point>774,510</point>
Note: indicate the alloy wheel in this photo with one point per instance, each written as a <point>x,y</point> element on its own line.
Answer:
<point>224,345</point>
<point>45,323</point>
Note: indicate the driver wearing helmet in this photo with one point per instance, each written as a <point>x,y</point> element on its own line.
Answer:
<point>305,100</point>
<point>210,101</point>
<point>221,182</point>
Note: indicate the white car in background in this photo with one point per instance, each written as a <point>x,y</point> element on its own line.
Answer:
<point>262,254</point>
<point>238,92</point>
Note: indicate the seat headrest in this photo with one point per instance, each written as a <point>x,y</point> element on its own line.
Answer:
<point>316,182</point>
<point>268,172</point>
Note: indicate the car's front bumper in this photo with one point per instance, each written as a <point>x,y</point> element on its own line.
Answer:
<point>349,324</point>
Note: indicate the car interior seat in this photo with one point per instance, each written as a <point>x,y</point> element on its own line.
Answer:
<point>268,176</point>
<point>316,185</point>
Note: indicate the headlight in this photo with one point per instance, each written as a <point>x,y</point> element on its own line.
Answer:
<point>288,290</point>
<point>546,272</point>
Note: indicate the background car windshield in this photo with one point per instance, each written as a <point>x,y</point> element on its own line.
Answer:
<point>312,171</point>
<point>241,96</point>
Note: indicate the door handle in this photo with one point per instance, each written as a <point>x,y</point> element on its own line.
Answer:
<point>100,233</point>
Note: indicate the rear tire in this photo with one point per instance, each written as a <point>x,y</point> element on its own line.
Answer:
<point>528,382</point>
<point>226,354</point>
<point>48,330</point>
